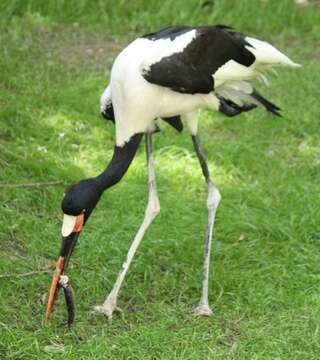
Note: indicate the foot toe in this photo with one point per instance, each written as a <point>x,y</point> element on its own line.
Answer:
<point>106,310</point>
<point>202,310</point>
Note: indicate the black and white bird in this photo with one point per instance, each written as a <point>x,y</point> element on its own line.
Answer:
<point>169,75</point>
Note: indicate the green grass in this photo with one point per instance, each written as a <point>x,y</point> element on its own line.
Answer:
<point>264,290</point>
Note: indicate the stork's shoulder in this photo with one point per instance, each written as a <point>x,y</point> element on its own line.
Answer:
<point>150,48</point>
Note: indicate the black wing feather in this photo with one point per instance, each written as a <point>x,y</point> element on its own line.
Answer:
<point>191,70</point>
<point>167,33</point>
<point>108,112</point>
<point>268,105</point>
<point>175,122</point>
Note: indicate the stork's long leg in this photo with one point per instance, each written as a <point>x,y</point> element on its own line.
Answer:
<point>152,210</point>
<point>212,203</point>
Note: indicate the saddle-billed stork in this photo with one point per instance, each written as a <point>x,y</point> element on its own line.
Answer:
<point>169,75</point>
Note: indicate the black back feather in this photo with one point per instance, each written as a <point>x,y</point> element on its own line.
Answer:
<point>190,71</point>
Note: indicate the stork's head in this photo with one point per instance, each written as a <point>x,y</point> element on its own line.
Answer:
<point>81,198</point>
<point>77,205</point>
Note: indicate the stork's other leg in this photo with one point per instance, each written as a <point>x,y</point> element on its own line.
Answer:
<point>152,210</point>
<point>212,203</point>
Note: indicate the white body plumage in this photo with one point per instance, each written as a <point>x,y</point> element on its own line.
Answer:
<point>138,102</point>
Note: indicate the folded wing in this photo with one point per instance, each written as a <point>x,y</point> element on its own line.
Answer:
<point>187,63</point>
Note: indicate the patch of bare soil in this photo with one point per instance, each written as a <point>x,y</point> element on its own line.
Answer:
<point>80,49</point>
<point>92,51</point>
<point>308,3</point>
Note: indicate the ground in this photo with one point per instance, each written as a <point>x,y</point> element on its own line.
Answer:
<point>55,59</point>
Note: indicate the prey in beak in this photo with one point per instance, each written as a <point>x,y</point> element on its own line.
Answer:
<point>71,228</point>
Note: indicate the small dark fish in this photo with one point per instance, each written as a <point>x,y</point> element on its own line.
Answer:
<point>69,296</point>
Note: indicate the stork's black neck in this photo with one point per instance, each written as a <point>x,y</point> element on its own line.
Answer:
<point>84,196</point>
<point>119,164</point>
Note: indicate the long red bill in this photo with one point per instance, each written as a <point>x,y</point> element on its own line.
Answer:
<point>54,288</point>
<point>71,228</point>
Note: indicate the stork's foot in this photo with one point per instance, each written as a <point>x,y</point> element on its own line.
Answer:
<point>108,308</point>
<point>202,310</point>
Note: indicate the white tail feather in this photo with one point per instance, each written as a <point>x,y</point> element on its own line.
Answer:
<point>262,78</point>
<point>268,55</point>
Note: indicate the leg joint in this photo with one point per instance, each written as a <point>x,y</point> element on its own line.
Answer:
<point>153,207</point>
<point>214,196</point>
